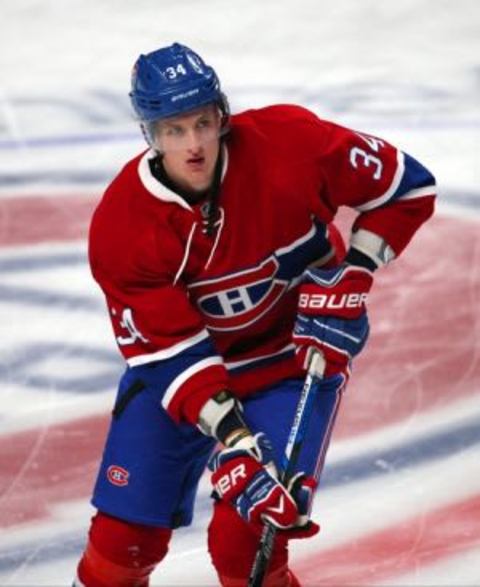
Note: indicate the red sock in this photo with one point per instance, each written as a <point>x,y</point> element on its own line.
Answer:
<point>233,557</point>
<point>120,553</point>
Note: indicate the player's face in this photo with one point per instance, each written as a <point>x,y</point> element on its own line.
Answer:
<point>190,145</point>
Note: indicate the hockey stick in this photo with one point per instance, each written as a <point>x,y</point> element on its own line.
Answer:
<point>290,457</point>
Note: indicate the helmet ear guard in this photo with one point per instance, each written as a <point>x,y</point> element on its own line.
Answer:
<point>172,81</point>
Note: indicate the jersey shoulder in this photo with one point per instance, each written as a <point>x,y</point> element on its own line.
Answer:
<point>275,113</point>
<point>129,232</point>
<point>287,126</point>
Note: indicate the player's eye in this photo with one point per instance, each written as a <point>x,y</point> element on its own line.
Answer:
<point>174,131</point>
<point>204,123</point>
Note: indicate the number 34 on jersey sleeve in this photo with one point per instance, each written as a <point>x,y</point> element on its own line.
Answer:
<point>365,172</point>
<point>387,186</point>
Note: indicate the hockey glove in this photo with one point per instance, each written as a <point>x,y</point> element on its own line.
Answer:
<point>332,316</point>
<point>246,478</point>
<point>302,488</point>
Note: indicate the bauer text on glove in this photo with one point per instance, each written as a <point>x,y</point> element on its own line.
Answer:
<point>332,316</point>
<point>246,478</point>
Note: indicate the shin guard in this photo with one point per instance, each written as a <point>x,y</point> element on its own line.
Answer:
<point>121,553</point>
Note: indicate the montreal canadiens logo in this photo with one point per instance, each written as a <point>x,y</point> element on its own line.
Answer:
<point>237,300</point>
<point>118,475</point>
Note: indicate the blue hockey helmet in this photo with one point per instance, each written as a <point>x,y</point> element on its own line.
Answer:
<point>172,81</point>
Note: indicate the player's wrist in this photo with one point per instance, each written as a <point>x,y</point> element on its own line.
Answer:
<point>368,247</point>
<point>238,437</point>
<point>358,259</point>
<point>221,417</point>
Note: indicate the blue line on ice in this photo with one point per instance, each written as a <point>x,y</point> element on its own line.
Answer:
<point>45,261</point>
<point>38,297</point>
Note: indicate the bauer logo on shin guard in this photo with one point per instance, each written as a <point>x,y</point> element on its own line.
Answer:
<point>332,302</point>
<point>118,475</point>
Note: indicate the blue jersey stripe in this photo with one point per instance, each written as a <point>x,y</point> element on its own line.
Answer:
<point>158,375</point>
<point>415,176</point>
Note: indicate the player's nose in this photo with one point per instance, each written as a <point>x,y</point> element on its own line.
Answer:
<point>193,140</point>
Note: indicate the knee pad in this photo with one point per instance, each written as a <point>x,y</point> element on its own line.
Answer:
<point>233,543</point>
<point>121,553</point>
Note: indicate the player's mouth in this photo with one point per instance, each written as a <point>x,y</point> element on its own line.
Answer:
<point>196,163</point>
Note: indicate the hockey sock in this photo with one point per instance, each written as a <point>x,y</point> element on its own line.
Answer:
<point>120,553</point>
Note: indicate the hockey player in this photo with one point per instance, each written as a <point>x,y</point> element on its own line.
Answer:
<point>221,269</point>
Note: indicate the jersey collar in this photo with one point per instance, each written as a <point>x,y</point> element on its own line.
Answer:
<point>160,191</point>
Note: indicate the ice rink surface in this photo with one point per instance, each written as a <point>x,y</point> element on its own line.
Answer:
<point>399,502</point>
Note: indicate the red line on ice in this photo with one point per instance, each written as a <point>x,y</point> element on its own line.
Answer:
<point>39,219</point>
<point>43,467</point>
<point>396,550</point>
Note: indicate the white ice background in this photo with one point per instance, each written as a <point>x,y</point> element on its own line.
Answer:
<point>407,71</point>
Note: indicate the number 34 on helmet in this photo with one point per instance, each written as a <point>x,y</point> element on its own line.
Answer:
<point>172,81</point>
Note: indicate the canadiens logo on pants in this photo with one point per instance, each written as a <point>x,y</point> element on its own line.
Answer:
<point>117,475</point>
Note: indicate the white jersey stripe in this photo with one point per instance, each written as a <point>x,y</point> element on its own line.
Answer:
<point>186,254</point>
<point>296,243</point>
<point>185,375</point>
<point>397,178</point>
<point>160,191</point>
<point>156,188</point>
<point>169,352</point>
<point>236,364</point>
<point>428,190</point>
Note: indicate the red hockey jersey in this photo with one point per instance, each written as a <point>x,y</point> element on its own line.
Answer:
<point>204,313</point>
